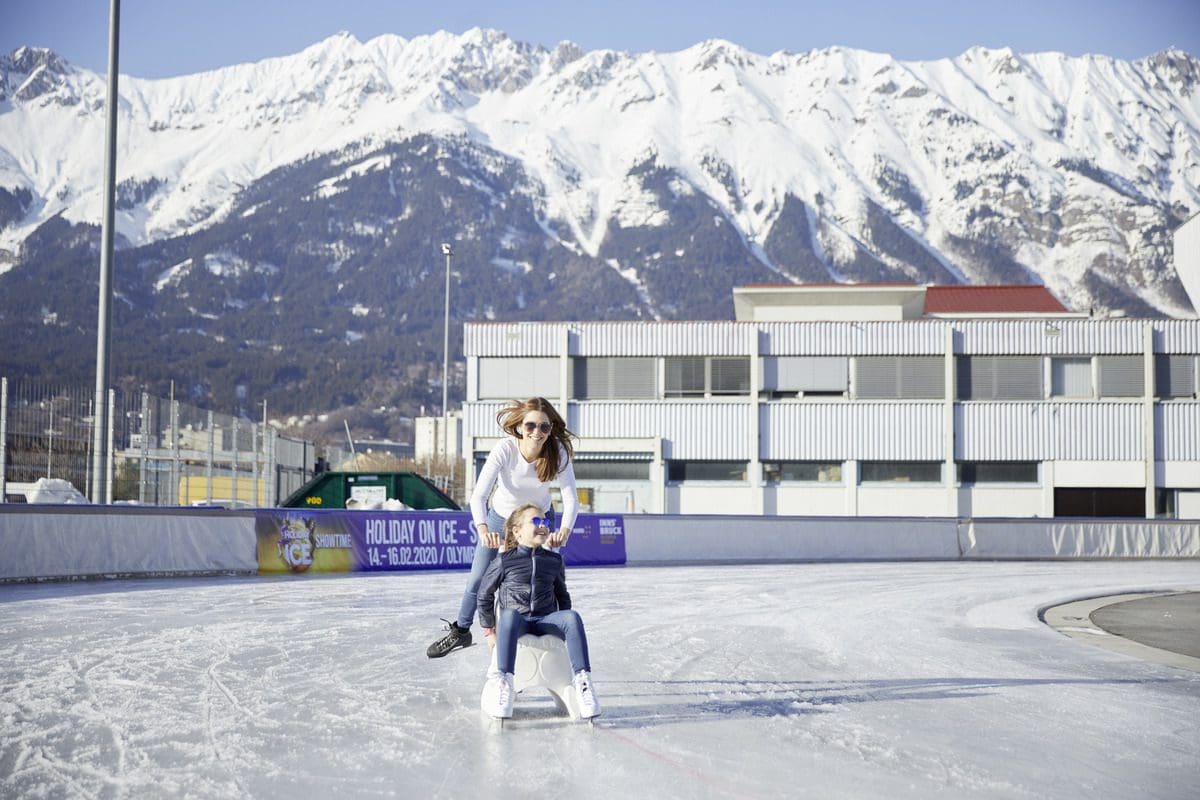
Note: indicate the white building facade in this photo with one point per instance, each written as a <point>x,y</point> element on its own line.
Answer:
<point>1048,415</point>
<point>437,438</point>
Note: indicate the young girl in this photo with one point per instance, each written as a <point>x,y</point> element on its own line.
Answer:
<point>532,585</point>
<point>536,451</point>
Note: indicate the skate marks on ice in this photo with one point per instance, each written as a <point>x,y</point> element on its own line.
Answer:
<point>901,680</point>
<point>219,689</point>
<point>644,704</point>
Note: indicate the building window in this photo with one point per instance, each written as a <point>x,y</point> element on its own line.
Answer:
<point>685,377</point>
<point>518,378</point>
<point>900,472</point>
<point>1107,501</point>
<point>1121,376</point>
<point>999,378</point>
<point>704,376</point>
<point>998,472</point>
<point>802,472</point>
<point>680,471</point>
<point>729,375</point>
<point>899,377</point>
<point>1174,376</point>
<point>790,376</point>
<point>612,470</point>
<point>1071,377</point>
<point>614,379</point>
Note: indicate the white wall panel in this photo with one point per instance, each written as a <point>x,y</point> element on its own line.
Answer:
<point>1188,505</point>
<point>903,501</point>
<point>894,431</point>
<point>1097,431</point>
<point>1048,336</point>
<point>662,338</point>
<point>916,337</point>
<point>806,373</point>
<point>518,378</point>
<point>479,420</point>
<point>1177,335</point>
<point>699,430</point>
<point>910,337</point>
<point>807,338</point>
<point>1177,431</point>
<point>512,338</point>
<point>1096,474</point>
<point>1009,501</point>
<point>1033,431</point>
<point>1177,475</point>
<point>710,499</point>
<point>807,501</point>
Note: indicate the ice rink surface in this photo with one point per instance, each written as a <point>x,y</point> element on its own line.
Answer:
<point>910,680</point>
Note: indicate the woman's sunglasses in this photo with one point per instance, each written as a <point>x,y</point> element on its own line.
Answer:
<point>540,522</point>
<point>544,427</point>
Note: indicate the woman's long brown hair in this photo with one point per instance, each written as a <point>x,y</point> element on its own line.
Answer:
<point>559,441</point>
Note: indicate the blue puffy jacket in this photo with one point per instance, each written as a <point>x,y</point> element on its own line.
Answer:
<point>532,581</point>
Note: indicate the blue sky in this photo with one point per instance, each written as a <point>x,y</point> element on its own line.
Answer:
<point>160,38</point>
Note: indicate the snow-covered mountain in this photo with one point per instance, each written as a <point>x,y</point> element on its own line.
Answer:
<point>660,178</point>
<point>1058,167</point>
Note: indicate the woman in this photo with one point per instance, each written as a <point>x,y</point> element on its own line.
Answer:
<point>536,451</point>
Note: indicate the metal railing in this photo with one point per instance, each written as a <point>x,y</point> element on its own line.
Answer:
<point>163,451</point>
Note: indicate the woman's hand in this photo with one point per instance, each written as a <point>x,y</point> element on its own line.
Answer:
<point>489,539</point>
<point>559,538</point>
<point>490,635</point>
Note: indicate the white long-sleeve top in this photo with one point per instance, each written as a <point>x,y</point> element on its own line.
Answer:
<point>516,482</point>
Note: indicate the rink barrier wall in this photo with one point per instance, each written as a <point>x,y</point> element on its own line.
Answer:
<point>69,542</point>
<point>66,542</point>
<point>1052,539</point>
<point>653,539</point>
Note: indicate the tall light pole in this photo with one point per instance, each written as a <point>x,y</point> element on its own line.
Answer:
<point>448,253</point>
<point>100,417</point>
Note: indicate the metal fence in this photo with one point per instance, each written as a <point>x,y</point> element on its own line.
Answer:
<point>162,451</point>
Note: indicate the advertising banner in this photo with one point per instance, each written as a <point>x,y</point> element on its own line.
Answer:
<point>303,540</point>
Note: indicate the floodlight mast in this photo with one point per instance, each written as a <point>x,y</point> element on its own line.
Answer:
<point>102,412</point>
<point>448,252</point>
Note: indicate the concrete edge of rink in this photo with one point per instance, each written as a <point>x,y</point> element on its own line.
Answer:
<point>1074,619</point>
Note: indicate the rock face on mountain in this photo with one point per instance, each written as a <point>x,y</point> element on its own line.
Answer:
<point>279,222</point>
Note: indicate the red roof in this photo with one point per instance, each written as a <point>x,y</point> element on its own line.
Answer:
<point>827,285</point>
<point>991,300</point>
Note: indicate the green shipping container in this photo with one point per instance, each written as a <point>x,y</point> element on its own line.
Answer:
<point>334,489</point>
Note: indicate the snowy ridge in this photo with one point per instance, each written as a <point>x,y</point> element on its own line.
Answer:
<point>1060,166</point>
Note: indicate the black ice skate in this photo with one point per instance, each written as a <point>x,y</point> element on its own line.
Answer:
<point>455,638</point>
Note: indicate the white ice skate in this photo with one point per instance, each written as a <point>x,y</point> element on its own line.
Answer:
<point>497,698</point>
<point>589,706</point>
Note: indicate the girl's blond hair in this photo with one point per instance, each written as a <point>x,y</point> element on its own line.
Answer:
<point>514,519</point>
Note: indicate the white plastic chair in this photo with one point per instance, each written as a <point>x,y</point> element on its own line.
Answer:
<point>542,661</point>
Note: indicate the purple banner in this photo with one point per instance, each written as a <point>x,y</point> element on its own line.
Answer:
<point>596,539</point>
<point>302,540</point>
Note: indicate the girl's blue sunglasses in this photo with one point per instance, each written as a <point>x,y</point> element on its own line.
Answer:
<point>539,522</point>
